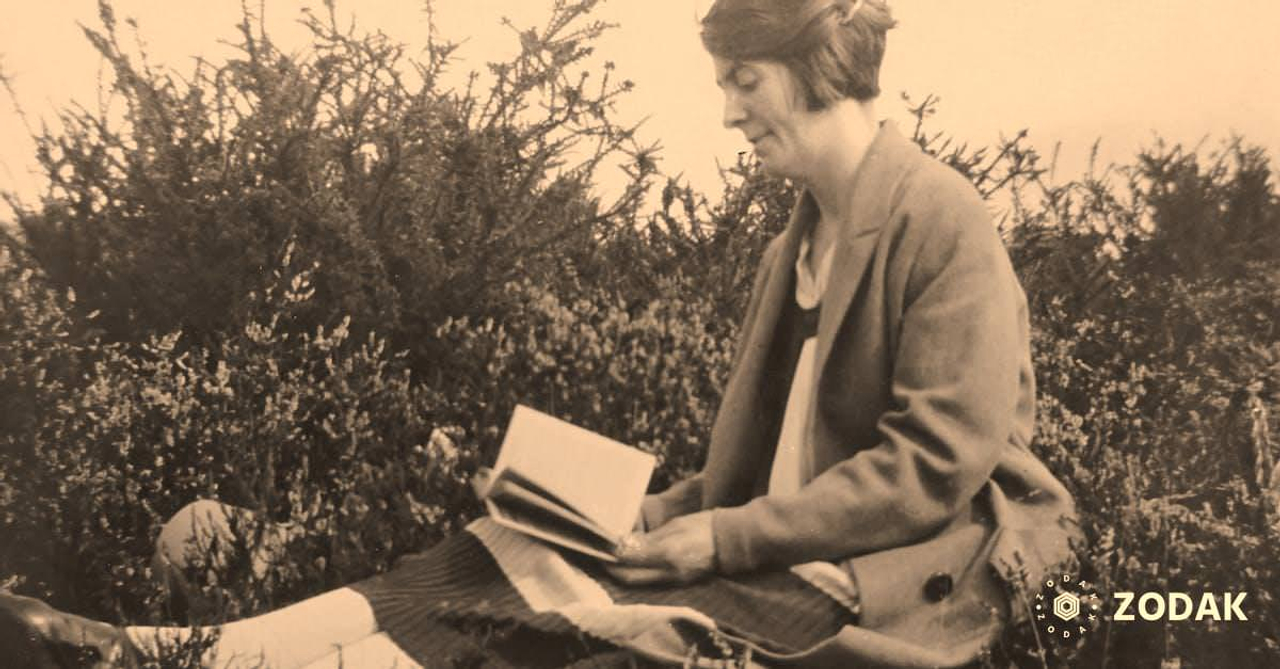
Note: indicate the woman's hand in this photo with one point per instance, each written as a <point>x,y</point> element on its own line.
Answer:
<point>480,482</point>
<point>642,523</point>
<point>683,550</point>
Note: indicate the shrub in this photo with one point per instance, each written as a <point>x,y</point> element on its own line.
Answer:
<point>419,200</point>
<point>1157,368</point>
<point>651,377</point>
<point>315,429</point>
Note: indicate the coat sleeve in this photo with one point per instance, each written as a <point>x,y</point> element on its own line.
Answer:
<point>685,497</point>
<point>953,396</point>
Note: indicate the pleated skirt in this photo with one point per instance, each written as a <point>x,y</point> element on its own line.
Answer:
<point>491,597</point>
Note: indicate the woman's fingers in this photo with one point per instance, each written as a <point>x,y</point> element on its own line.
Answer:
<point>643,550</point>
<point>113,648</point>
<point>480,482</point>
<point>632,575</point>
<point>682,550</point>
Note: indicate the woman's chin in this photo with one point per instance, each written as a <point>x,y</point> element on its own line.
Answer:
<point>774,169</point>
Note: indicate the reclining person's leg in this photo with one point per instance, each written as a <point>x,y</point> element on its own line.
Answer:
<point>293,636</point>
<point>205,533</point>
<point>376,650</point>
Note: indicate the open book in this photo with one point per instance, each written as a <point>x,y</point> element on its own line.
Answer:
<point>567,485</point>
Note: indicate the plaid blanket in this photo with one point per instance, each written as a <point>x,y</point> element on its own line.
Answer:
<point>490,596</point>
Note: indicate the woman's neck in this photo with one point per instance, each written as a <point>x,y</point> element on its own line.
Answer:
<point>846,132</point>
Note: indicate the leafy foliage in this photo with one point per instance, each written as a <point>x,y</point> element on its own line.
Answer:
<point>651,378</point>
<point>165,216</point>
<point>315,429</point>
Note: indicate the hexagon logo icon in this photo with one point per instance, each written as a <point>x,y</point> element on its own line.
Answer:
<point>1066,606</point>
<point>1076,610</point>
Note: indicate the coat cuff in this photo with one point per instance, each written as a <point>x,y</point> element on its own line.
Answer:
<point>736,550</point>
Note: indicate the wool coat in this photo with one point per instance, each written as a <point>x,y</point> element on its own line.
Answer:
<point>926,488</point>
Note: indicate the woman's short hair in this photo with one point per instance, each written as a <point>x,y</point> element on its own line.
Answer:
<point>833,47</point>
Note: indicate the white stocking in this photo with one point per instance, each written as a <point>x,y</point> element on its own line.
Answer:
<point>294,636</point>
<point>375,650</point>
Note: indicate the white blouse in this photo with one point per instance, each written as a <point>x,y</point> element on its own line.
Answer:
<point>793,460</point>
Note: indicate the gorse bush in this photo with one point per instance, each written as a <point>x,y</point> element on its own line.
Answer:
<point>315,285</point>
<point>313,429</point>
<point>1157,356</point>
<point>652,378</point>
<point>420,201</point>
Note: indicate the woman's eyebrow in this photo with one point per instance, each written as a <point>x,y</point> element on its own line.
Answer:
<point>731,75</point>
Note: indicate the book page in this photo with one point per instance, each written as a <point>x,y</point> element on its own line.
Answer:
<point>597,477</point>
<point>551,527</point>
<point>512,491</point>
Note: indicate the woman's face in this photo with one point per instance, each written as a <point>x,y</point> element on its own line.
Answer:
<point>764,101</point>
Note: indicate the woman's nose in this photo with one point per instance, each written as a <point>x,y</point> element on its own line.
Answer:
<point>733,111</point>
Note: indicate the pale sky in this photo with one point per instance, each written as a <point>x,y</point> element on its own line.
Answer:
<point>1119,70</point>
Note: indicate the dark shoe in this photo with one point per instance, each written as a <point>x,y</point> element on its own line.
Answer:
<point>34,634</point>
<point>22,646</point>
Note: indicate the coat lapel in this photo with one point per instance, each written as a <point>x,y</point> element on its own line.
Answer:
<point>737,447</point>
<point>777,289</point>
<point>737,439</point>
<point>889,158</point>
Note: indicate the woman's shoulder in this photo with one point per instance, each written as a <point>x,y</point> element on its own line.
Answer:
<point>936,193</point>
<point>939,219</point>
<point>913,183</point>
<point>765,265</point>
<point>933,203</point>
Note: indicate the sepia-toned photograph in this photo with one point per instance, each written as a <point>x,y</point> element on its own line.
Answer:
<point>620,333</point>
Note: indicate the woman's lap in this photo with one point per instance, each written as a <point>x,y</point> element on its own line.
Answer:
<point>492,593</point>
<point>486,580</point>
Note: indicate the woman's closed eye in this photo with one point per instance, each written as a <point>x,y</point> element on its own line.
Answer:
<point>745,80</point>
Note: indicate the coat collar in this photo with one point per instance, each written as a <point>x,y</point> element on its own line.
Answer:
<point>889,159</point>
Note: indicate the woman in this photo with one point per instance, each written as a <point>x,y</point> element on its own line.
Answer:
<point>900,451</point>
<point>869,495</point>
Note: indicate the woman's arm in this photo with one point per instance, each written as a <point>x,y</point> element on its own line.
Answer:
<point>685,497</point>
<point>678,544</point>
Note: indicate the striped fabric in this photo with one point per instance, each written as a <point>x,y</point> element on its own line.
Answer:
<point>490,596</point>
